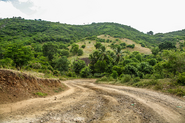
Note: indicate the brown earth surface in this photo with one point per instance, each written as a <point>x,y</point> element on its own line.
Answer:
<point>87,102</point>
<point>17,86</point>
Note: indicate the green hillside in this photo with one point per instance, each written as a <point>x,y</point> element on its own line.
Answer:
<point>32,31</point>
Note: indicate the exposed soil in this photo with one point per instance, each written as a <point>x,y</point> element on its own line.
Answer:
<point>16,86</point>
<point>96,103</point>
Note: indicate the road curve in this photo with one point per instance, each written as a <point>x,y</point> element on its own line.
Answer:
<point>86,102</point>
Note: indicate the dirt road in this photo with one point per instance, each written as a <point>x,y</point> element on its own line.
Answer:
<point>87,102</point>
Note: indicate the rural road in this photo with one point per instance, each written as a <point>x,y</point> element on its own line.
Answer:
<point>86,102</point>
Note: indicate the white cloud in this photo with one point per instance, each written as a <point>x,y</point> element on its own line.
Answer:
<point>7,10</point>
<point>144,15</point>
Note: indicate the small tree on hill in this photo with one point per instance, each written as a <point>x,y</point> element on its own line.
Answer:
<point>98,45</point>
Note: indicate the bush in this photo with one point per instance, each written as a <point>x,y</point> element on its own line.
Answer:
<point>181,78</point>
<point>147,76</point>
<point>71,74</point>
<point>140,74</point>
<point>78,65</point>
<point>6,63</point>
<point>178,91</point>
<point>131,46</point>
<point>36,66</point>
<point>80,52</point>
<point>145,84</point>
<point>137,79</point>
<point>85,72</point>
<point>98,75</point>
<point>83,46</point>
<point>104,79</point>
<point>56,72</point>
<point>126,78</point>
<point>142,44</point>
<point>114,74</point>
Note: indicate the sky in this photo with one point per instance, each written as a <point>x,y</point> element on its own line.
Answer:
<point>159,16</point>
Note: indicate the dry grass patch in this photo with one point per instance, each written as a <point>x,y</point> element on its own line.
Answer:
<point>128,41</point>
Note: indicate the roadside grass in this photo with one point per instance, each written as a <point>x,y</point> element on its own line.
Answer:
<point>58,90</point>
<point>40,94</point>
<point>167,85</point>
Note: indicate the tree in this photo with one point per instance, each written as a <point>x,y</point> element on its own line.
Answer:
<point>74,49</point>
<point>62,64</point>
<point>145,68</point>
<point>64,52</point>
<point>98,45</point>
<point>100,66</point>
<point>49,50</point>
<point>129,69</point>
<point>19,54</point>
<point>83,46</point>
<point>118,69</point>
<point>78,65</point>
<point>114,74</point>
<point>166,45</point>
<point>152,61</point>
<point>155,50</point>
<point>63,46</point>
<point>85,72</point>
<point>131,46</point>
<point>80,52</point>
<point>150,33</point>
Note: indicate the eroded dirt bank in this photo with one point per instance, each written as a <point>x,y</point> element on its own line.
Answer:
<point>97,103</point>
<point>17,86</point>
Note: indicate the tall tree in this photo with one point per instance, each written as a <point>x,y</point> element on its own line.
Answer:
<point>19,54</point>
<point>49,50</point>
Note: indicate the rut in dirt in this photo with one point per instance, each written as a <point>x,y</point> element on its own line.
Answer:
<point>88,102</point>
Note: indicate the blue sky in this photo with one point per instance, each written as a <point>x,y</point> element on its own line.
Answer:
<point>144,15</point>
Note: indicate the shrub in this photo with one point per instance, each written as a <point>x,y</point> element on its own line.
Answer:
<point>104,79</point>
<point>123,44</point>
<point>147,76</point>
<point>6,63</point>
<point>142,44</point>
<point>36,65</point>
<point>83,46</point>
<point>145,84</point>
<point>98,75</point>
<point>137,79</point>
<point>78,65</point>
<point>126,78</point>
<point>71,74</point>
<point>56,72</point>
<point>80,52</point>
<point>178,91</point>
<point>152,62</point>
<point>140,74</point>
<point>85,72</point>
<point>131,46</point>
<point>181,78</point>
<point>114,74</point>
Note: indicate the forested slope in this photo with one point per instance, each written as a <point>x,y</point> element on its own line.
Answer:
<point>29,31</point>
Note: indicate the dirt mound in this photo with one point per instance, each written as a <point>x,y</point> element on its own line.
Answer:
<point>19,86</point>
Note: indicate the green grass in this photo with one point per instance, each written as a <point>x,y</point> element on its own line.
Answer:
<point>58,90</point>
<point>40,94</point>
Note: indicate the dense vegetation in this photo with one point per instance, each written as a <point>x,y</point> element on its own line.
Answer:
<point>45,47</point>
